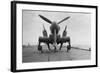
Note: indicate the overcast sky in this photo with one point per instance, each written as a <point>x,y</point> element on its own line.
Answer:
<point>78,26</point>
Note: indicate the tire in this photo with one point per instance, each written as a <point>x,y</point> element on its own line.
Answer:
<point>39,48</point>
<point>69,47</point>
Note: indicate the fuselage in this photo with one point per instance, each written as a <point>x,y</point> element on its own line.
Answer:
<point>54,27</point>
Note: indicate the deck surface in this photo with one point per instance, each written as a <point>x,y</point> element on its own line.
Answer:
<point>31,54</point>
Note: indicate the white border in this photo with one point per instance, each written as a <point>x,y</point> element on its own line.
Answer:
<point>21,65</point>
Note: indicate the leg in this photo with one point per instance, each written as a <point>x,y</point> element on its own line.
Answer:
<point>55,48</point>
<point>69,46</point>
<point>60,46</point>
<point>54,45</point>
<point>39,47</point>
<point>48,46</point>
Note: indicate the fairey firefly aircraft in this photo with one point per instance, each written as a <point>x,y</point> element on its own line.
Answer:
<point>54,38</point>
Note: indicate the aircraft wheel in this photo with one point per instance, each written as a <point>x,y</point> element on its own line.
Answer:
<point>39,48</point>
<point>55,49</point>
<point>68,47</point>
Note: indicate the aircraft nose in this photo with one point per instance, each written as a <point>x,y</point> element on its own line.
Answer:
<point>54,22</point>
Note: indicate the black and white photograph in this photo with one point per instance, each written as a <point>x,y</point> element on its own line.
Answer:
<point>56,36</point>
<point>47,36</point>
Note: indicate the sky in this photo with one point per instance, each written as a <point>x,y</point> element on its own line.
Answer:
<point>78,26</point>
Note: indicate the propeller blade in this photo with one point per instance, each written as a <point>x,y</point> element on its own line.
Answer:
<point>63,20</point>
<point>45,19</point>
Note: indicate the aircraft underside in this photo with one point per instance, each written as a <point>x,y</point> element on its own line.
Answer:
<point>50,40</point>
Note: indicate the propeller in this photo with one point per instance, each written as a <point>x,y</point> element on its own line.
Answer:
<point>63,20</point>
<point>45,19</point>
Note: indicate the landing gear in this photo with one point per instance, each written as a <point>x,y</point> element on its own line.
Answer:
<point>68,48</point>
<point>49,41</point>
<point>49,47</point>
<point>60,46</point>
<point>55,49</point>
<point>40,48</point>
